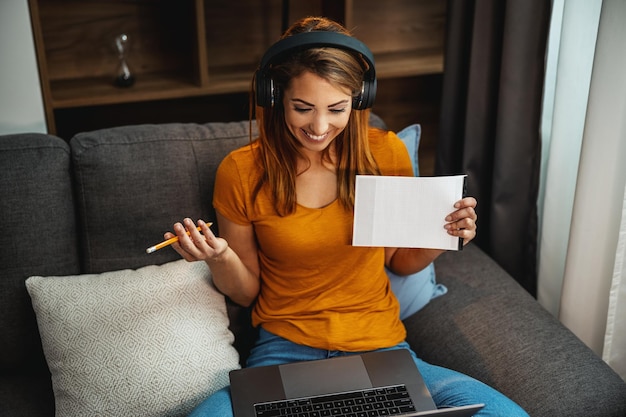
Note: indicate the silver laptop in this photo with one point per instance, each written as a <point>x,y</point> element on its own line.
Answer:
<point>384,383</point>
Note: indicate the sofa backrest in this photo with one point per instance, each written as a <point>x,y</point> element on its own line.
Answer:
<point>134,182</point>
<point>37,237</point>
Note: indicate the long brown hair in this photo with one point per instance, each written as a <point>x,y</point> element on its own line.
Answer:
<point>279,150</point>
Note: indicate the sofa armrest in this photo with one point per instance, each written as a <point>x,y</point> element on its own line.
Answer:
<point>37,237</point>
<point>489,327</point>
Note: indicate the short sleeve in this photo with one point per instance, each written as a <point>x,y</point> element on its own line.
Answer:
<point>230,194</point>
<point>404,163</point>
<point>390,153</point>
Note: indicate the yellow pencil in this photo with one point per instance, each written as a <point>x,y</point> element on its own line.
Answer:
<point>170,241</point>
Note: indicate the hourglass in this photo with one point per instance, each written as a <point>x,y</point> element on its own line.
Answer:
<point>124,77</point>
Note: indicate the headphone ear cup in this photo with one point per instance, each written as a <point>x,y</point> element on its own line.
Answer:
<point>273,93</point>
<point>365,99</point>
<point>357,101</point>
<point>266,91</point>
<point>370,93</point>
<point>261,89</point>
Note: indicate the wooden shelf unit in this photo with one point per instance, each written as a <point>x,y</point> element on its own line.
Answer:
<point>200,48</point>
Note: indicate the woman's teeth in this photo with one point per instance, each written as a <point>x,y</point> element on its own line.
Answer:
<point>315,137</point>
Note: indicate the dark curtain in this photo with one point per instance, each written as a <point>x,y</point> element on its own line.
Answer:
<point>490,119</point>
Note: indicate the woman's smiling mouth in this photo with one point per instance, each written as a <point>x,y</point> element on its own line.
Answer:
<point>315,137</point>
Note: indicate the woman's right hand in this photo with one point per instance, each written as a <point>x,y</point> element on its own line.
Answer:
<point>194,245</point>
<point>233,258</point>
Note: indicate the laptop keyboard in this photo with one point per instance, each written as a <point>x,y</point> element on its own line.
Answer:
<point>386,401</point>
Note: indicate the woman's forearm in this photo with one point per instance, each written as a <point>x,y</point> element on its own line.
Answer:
<point>407,261</point>
<point>234,279</point>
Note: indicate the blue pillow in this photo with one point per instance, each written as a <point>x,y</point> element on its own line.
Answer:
<point>410,135</point>
<point>416,290</point>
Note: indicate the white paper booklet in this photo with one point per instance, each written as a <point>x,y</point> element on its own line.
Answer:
<point>405,212</point>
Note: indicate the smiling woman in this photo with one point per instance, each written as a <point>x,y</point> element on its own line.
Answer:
<point>313,293</point>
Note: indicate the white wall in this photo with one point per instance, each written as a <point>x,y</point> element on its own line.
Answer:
<point>21,105</point>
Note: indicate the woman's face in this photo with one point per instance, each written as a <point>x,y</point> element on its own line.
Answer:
<point>316,111</point>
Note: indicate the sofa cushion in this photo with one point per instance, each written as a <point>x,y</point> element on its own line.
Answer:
<point>37,236</point>
<point>143,179</point>
<point>147,342</point>
<point>492,329</point>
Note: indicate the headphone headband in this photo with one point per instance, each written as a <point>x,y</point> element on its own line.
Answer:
<point>266,95</point>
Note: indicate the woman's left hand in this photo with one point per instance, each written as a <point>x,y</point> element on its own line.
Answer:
<point>462,222</point>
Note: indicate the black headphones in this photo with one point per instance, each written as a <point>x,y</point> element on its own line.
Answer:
<point>266,94</point>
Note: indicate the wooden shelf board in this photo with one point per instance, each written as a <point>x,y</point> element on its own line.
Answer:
<point>407,64</point>
<point>99,91</point>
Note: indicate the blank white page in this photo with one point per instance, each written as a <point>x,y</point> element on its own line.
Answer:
<point>405,212</point>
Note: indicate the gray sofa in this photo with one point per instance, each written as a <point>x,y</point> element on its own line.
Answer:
<point>96,204</point>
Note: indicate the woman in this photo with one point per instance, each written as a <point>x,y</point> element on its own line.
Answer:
<point>284,207</point>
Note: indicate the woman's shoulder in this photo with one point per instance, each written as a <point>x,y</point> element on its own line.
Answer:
<point>381,140</point>
<point>242,156</point>
<point>244,152</point>
<point>239,162</point>
<point>389,152</point>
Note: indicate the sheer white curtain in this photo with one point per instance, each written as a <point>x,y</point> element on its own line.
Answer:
<point>571,47</point>
<point>614,352</point>
<point>584,173</point>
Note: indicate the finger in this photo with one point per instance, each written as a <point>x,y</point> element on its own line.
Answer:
<point>466,202</point>
<point>207,232</point>
<point>467,239</point>
<point>466,223</point>
<point>192,230</point>
<point>467,212</point>
<point>466,234</point>
<point>465,229</point>
<point>216,246</point>
<point>185,241</point>
<point>198,239</point>
<point>461,225</point>
<point>454,228</point>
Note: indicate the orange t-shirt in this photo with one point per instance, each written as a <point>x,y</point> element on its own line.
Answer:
<point>316,288</point>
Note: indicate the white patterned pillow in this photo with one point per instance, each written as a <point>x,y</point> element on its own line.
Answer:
<point>147,342</point>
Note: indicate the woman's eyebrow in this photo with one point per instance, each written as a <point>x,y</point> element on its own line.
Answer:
<point>342,102</point>
<point>299,100</point>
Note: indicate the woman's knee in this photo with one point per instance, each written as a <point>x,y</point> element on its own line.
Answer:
<point>450,388</point>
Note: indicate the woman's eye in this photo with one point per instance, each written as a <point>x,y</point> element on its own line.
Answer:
<point>307,109</point>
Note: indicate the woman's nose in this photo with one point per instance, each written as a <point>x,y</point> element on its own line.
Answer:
<point>319,124</point>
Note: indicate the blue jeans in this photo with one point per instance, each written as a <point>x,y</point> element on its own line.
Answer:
<point>447,387</point>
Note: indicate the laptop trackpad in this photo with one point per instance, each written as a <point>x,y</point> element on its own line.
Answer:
<point>303,379</point>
